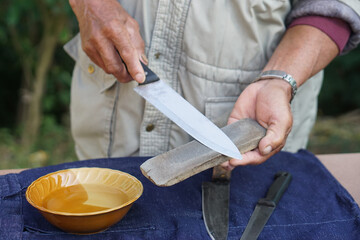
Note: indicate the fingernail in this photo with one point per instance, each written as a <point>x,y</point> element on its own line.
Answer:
<point>140,77</point>
<point>267,150</point>
<point>144,58</point>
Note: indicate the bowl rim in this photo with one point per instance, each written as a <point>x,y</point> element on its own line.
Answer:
<point>88,213</point>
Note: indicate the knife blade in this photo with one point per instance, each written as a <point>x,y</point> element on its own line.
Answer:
<point>215,203</point>
<point>186,116</point>
<point>265,206</point>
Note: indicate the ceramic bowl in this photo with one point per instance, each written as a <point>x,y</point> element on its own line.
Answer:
<point>84,200</point>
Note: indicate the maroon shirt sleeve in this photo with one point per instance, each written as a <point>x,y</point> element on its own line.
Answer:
<point>338,30</point>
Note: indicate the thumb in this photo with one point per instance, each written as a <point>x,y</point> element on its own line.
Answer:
<point>274,139</point>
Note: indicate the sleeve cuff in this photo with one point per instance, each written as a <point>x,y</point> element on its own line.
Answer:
<point>338,30</point>
<point>330,8</point>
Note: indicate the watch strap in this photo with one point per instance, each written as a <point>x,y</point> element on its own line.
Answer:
<point>281,75</point>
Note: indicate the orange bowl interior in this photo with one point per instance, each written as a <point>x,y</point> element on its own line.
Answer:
<point>98,195</point>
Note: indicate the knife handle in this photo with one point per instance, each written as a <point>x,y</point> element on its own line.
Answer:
<point>150,75</point>
<point>220,174</point>
<point>278,187</point>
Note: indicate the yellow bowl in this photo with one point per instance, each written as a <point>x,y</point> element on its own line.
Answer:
<point>84,200</point>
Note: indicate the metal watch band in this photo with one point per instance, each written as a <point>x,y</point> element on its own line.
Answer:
<point>281,75</point>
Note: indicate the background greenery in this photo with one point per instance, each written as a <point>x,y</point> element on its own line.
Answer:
<point>32,34</point>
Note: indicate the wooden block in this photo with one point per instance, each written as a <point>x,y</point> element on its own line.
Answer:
<point>189,159</point>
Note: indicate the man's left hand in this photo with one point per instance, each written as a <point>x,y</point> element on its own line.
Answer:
<point>266,101</point>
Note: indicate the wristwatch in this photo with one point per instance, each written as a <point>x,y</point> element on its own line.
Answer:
<point>281,75</point>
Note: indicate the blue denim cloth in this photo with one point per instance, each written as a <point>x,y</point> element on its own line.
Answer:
<point>315,206</point>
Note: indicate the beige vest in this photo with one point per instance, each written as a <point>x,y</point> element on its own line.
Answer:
<point>207,50</point>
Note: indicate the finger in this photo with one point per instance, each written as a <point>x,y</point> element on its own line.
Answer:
<point>125,75</point>
<point>136,40</point>
<point>96,58</point>
<point>275,137</point>
<point>138,44</point>
<point>226,165</point>
<point>253,157</point>
<point>112,61</point>
<point>91,52</point>
<point>99,60</point>
<point>130,57</point>
<point>133,64</point>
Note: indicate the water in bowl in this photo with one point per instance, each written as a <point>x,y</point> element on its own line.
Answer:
<point>84,198</point>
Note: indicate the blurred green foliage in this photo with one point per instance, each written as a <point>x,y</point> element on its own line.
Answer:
<point>27,18</point>
<point>54,145</point>
<point>22,28</point>
<point>340,91</point>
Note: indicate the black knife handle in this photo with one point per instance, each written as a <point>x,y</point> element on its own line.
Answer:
<point>278,187</point>
<point>150,75</point>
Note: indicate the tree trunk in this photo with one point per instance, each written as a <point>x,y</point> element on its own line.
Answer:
<point>33,113</point>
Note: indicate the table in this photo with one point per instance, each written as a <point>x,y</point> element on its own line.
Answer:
<point>345,167</point>
<point>315,206</point>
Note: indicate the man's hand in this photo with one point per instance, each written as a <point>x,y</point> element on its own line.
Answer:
<point>107,30</point>
<point>303,52</point>
<point>267,102</point>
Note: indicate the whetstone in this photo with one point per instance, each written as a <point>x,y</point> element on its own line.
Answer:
<point>189,159</point>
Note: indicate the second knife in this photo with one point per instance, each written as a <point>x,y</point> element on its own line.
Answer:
<point>265,206</point>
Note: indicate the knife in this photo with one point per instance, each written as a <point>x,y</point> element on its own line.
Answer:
<point>186,116</point>
<point>215,203</point>
<point>265,206</point>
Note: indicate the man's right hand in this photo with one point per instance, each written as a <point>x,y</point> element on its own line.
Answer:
<point>107,30</point>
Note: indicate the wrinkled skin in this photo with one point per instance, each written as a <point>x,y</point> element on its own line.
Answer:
<point>107,30</point>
